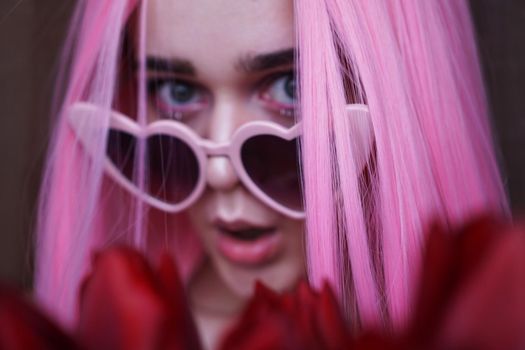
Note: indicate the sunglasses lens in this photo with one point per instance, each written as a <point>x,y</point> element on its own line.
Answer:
<point>121,149</point>
<point>172,169</point>
<point>272,164</point>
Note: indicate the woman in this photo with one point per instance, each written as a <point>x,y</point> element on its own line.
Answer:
<point>177,132</point>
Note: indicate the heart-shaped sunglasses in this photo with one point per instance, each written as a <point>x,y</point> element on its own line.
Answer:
<point>263,154</point>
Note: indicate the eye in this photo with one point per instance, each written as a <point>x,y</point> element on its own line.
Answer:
<point>280,93</point>
<point>175,98</point>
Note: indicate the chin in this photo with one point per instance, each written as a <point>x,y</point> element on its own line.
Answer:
<point>279,276</point>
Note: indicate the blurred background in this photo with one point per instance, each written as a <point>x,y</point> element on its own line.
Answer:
<point>31,35</point>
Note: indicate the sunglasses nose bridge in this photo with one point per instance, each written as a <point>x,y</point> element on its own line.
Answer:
<point>220,173</point>
<point>215,149</point>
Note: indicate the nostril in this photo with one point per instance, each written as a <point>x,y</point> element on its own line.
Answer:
<point>220,174</point>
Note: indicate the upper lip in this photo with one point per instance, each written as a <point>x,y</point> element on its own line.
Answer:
<point>239,225</point>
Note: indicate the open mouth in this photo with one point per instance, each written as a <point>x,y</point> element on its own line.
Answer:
<point>250,234</point>
<point>246,244</point>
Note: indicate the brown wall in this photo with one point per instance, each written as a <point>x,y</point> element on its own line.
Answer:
<point>30,35</point>
<point>31,32</point>
<point>501,35</point>
<point>16,99</point>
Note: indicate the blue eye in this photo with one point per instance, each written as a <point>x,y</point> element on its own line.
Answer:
<point>174,98</point>
<point>176,93</point>
<point>279,94</point>
<point>282,90</point>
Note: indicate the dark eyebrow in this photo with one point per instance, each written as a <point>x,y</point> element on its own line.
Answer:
<point>265,61</point>
<point>247,64</point>
<point>172,65</point>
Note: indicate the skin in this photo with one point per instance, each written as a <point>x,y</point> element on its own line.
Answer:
<point>215,36</point>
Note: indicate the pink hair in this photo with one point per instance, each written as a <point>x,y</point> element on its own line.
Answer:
<point>413,63</point>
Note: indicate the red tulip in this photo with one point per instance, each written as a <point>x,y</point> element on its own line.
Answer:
<point>472,296</point>
<point>472,292</point>
<point>124,304</point>
<point>302,319</point>
<point>23,326</point>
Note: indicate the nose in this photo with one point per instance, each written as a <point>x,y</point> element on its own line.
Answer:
<point>220,174</point>
<point>225,118</point>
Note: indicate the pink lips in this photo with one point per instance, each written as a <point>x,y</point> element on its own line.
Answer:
<point>247,252</point>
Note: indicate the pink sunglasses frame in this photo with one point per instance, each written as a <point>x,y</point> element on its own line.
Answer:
<point>82,117</point>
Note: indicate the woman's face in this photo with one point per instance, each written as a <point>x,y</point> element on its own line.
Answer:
<point>215,65</point>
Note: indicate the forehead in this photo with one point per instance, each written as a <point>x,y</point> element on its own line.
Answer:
<point>211,32</point>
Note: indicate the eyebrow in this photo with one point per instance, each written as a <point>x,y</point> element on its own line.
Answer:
<point>247,64</point>
<point>174,65</point>
<point>266,61</point>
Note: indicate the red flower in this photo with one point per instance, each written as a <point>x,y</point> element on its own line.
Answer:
<point>303,319</point>
<point>472,292</point>
<point>23,326</point>
<point>124,304</point>
<point>472,296</point>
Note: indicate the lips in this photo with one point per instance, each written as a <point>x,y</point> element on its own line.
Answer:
<point>246,243</point>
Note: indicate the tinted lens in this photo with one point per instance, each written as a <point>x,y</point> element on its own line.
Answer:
<point>121,151</point>
<point>272,164</point>
<point>172,169</point>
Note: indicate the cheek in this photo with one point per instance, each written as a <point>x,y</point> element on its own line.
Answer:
<point>295,248</point>
<point>174,233</point>
<point>197,216</point>
<point>295,236</point>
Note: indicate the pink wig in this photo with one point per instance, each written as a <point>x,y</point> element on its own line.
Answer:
<point>414,63</point>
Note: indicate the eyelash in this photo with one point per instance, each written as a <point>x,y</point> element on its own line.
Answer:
<point>160,93</point>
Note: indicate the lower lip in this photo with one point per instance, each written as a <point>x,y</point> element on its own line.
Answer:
<point>254,252</point>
